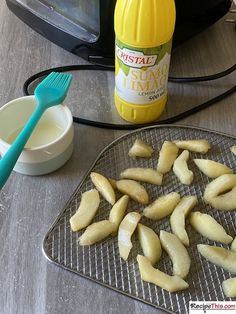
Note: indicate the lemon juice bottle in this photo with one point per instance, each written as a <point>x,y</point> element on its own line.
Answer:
<point>144,30</point>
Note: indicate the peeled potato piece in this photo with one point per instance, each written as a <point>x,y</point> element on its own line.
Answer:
<point>126,229</point>
<point>211,168</point>
<point>177,219</point>
<point>142,174</point>
<point>209,227</point>
<point>140,149</point>
<point>213,192</point>
<point>181,170</point>
<point>135,190</point>
<point>167,156</point>
<point>219,256</point>
<point>233,245</point>
<point>197,146</point>
<point>177,253</point>
<point>87,209</point>
<point>96,232</point>
<point>150,274</point>
<point>118,211</point>
<point>229,287</point>
<point>233,149</point>
<point>104,187</point>
<point>150,243</point>
<point>162,207</point>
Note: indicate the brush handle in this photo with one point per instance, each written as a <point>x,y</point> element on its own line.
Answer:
<point>10,158</point>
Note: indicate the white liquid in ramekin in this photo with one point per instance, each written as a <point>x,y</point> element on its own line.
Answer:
<point>43,134</point>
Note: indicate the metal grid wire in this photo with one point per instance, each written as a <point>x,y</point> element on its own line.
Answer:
<point>101,262</point>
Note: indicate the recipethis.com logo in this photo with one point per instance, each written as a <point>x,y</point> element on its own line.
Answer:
<point>135,59</point>
<point>212,307</point>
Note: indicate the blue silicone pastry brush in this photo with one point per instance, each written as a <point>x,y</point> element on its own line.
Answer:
<point>50,92</point>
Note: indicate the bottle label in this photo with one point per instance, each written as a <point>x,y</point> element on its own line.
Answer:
<point>142,74</point>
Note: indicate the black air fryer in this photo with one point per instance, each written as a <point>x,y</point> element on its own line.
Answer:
<point>85,27</point>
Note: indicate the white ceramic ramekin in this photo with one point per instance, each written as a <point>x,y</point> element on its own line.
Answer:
<point>41,159</point>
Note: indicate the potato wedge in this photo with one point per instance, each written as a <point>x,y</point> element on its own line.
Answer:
<point>135,190</point>
<point>229,287</point>
<point>209,228</point>
<point>219,256</point>
<point>126,229</point>
<point>181,170</point>
<point>233,149</point>
<point>96,232</point>
<point>142,174</point>
<point>233,245</point>
<point>162,207</point>
<point>87,209</point>
<point>153,275</point>
<point>167,156</point>
<point>197,146</point>
<point>150,243</point>
<point>118,211</point>
<point>211,168</point>
<point>214,196</point>
<point>177,253</point>
<point>177,219</point>
<point>104,187</point>
<point>140,149</point>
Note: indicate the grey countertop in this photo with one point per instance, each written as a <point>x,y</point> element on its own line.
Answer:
<point>29,205</point>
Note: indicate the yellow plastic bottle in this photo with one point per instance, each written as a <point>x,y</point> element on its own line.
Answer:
<point>144,30</point>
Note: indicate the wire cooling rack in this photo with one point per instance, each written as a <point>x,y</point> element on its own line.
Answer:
<point>101,262</point>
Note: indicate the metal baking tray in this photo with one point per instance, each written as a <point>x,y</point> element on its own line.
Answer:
<point>101,262</point>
